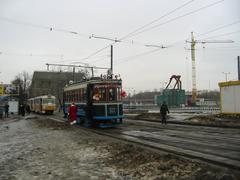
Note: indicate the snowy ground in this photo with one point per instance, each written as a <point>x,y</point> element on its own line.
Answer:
<point>37,148</point>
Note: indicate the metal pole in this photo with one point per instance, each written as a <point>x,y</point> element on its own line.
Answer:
<point>73,74</point>
<point>112,59</point>
<point>226,73</point>
<point>239,68</point>
<point>92,72</point>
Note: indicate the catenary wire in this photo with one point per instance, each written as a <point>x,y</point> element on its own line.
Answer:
<point>178,17</point>
<point>124,37</point>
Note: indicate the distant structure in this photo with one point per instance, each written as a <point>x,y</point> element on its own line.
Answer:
<point>230,97</point>
<point>47,82</point>
<point>174,97</point>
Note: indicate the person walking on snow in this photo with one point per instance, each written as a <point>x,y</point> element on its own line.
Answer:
<point>72,113</point>
<point>163,112</point>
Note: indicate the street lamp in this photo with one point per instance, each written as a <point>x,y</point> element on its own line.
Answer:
<point>226,73</point>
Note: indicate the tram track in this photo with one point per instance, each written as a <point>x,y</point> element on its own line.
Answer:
<point>219,154</point>
<point>210,158</point>
<point>183,132</point>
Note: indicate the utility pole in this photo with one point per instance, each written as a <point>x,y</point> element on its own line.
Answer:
<point>239,68</point>
<point>226,75</point>
<point>73,73</point>
<point>193,43</point>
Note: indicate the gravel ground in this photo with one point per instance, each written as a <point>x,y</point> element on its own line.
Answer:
<point>37,148</point>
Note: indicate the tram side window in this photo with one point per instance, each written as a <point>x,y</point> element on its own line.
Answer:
<point>74,96</point>
<point>66,97</point>
<point>119,91</point>
<point>79,95</point>
<point>112,94</point>
<point>85,94</point>
<point>71,96</point>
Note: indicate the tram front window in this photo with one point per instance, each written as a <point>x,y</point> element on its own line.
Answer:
<point>100,94</point>
<point>46,101</point>
<point>112,94</point>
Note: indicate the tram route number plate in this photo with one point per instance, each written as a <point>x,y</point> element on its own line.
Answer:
<point>112,110</point>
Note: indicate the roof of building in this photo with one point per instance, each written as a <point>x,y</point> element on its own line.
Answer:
<point>229,83</point>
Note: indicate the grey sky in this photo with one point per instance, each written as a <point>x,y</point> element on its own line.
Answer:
<point>115,19</point>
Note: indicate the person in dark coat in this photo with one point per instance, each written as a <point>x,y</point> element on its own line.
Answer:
<point>28,109</point>
<point>163,111</point>
<point>6,108</point>
<point>22,109</point>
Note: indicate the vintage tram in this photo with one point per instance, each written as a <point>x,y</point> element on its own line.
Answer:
<point>45,104</point>
<point>98,101</point>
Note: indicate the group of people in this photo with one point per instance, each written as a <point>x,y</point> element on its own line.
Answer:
<point>22,109</point>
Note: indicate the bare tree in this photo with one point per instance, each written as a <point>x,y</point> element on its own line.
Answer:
<point>22,81</point>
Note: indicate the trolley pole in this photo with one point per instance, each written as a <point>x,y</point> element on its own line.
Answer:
<point>112,59</point>
<point>73,74</point>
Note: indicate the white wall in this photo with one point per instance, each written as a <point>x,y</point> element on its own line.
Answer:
<point>230,99</point>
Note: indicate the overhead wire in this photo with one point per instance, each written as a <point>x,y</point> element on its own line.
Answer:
<point>221,35</point>
<point>124,37</point>
<point>163,16</point>
<point>50,28</point>
<point>219,28</point>
<point>173,19</point>
<point>29,54</point>
<point>178,17</point>
<point>129,34</point>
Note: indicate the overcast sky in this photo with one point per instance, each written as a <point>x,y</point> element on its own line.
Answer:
<point>33,33</point>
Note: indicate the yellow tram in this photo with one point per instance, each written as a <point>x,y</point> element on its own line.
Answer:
<point>43,104</point>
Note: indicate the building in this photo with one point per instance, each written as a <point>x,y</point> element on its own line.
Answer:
<point>230,97</point>
<point>47,82</point>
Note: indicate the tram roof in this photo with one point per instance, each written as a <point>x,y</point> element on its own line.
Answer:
<point>91,81</point>
<point>43,96</point>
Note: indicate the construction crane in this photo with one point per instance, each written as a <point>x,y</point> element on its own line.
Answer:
<point>193,43</point>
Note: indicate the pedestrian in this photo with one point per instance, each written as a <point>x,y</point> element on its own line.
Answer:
<point>72,113</point>
<point>28,109</point>
<point>163,111</point>
<point>6,108</point>
<point>22,109</point>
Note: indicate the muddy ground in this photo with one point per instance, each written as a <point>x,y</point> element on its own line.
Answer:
<point>39,148</point>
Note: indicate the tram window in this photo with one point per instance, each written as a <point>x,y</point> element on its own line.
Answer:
<point>102,94</point>
<point>46,101</point>
<point>81,95</point>
<point>75,95</point>
<point>84,94</point>
<point>119,98</point>
<point>66,96</point>
<point>112,94</point>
